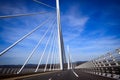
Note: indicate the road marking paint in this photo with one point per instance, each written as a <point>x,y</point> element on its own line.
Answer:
<point>75,73</point>
<point>50,79</point>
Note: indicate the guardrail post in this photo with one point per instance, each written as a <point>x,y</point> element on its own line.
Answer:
<point>103,65</point>
<point>100,67</point>
<point>118,52</point>
<point>95,66</point>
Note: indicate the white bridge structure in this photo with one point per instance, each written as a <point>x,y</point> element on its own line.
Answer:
<point>55,36</point>
<point>107,65</point>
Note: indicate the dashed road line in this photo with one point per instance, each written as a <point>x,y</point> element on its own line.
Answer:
<point>50,79</point>
<point>75,73</point>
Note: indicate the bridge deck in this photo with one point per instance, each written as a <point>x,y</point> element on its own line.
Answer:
<point>67,75</point>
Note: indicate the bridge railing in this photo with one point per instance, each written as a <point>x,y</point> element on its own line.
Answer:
<point>13,70</point>
<point>106,65</point>
<point>6,71</point>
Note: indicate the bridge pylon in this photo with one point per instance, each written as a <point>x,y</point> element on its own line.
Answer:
<point>60,38</point>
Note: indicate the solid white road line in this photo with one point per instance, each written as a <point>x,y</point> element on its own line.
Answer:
<point>75,73</point>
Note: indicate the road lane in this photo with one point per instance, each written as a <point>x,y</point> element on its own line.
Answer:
<point>49,76</point>
<point>68,75</point>
<point>88,76</point>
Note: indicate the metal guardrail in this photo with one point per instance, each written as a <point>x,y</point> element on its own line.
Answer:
<point>106,65</point>
<point>10,71</point>
<point>5,71</point>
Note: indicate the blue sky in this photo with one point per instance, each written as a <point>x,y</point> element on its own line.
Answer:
<point>90,27</point>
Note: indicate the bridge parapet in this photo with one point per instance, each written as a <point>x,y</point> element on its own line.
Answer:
<point>106,65</point>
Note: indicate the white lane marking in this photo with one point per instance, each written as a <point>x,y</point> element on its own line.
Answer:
<point>75,73</point>
<point>50,79</point>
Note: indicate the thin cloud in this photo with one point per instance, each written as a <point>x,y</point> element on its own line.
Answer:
<point>74,24</point>
<point>93,47</point>
<point>74,20</point>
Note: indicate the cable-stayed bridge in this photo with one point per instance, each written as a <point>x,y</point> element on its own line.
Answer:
<point>57,66</point>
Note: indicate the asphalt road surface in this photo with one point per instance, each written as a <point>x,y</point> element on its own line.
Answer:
<point>67,75</point>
